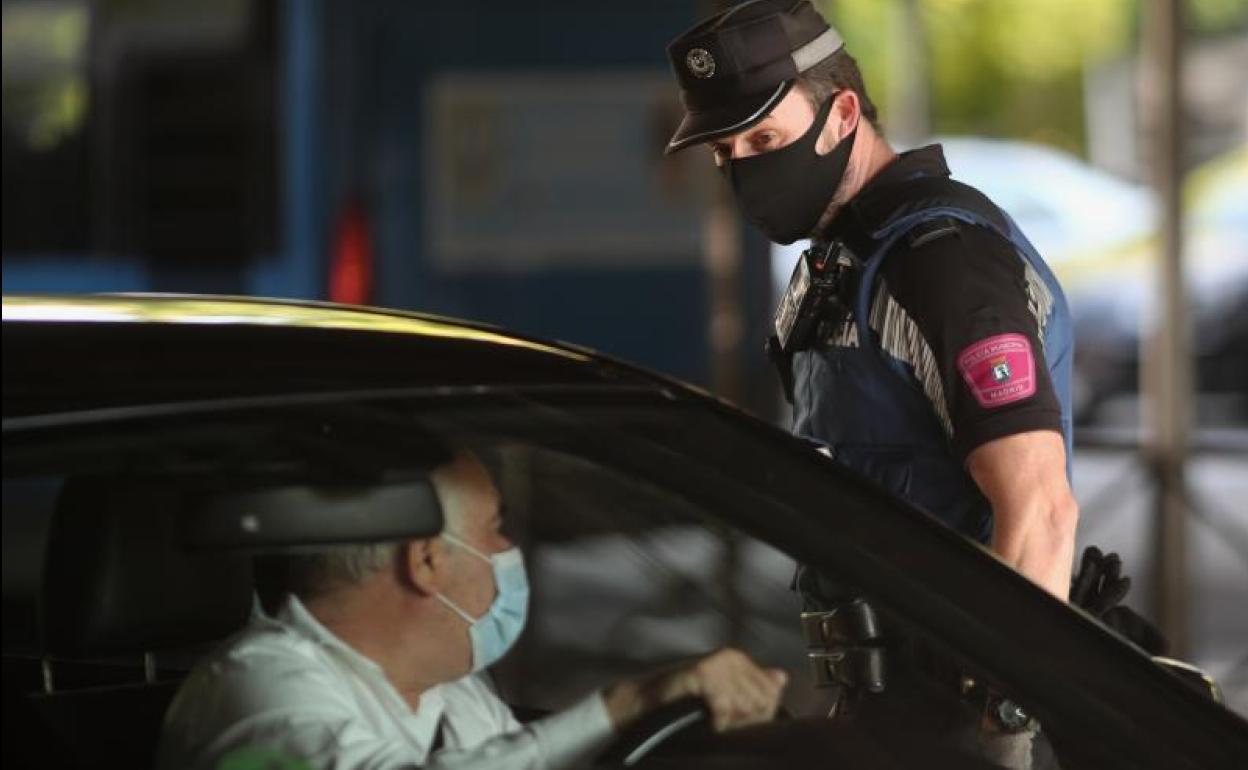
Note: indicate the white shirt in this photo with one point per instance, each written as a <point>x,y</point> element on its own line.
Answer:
<point>286,687</point>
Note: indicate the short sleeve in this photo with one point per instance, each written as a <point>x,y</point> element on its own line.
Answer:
<point>975,307</point>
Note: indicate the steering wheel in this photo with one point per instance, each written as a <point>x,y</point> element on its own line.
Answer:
<point>654,728</point>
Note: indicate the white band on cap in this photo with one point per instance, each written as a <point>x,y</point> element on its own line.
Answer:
<point>817,50</point>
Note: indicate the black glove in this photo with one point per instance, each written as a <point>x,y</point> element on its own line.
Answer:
<point>1099,585</point>
<point>1099,588</point>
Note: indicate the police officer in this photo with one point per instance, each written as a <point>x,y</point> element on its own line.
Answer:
<point>948,380</point>
<point>924,342</point>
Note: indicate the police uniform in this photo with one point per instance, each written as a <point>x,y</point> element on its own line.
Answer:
<point>967,339</point>
<point>954,331</point>
<point>956,334</point>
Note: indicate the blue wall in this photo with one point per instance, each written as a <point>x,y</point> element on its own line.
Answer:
<point>351,91</point>
<point>655,316</point>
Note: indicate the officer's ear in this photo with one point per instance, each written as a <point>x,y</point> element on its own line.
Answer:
<point>843,117</point>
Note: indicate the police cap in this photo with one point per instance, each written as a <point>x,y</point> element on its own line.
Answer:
<point>736,66</point>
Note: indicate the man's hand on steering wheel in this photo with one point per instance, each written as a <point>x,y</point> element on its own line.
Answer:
<point>736,690</point>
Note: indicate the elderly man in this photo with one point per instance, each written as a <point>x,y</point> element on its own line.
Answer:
<point>374,661</point>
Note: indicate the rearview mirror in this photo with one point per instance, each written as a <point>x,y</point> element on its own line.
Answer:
<point>304,516</point>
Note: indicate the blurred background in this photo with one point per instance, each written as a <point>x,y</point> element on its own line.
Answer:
<point>501,161</point>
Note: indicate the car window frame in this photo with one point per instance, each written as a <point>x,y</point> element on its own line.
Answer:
<point>1099,690</point>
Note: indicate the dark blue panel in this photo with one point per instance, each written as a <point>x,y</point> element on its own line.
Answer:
<point>654,316</point>
<point>64,273</point>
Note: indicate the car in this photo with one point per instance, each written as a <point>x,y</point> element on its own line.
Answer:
<point>159,449</point>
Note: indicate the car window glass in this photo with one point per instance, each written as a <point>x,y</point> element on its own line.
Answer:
<point>651,534</point>
<point>28,505</point>
<point>626,575</point>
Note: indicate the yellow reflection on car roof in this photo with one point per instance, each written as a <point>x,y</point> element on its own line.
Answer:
<point>196,310</point>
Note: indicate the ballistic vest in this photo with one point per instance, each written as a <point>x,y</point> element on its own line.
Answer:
<point>867,406</point>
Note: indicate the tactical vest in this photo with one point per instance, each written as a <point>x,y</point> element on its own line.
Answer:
<point>868,407</point>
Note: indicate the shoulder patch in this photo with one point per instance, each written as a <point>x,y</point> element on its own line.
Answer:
<point>999,370</point>
<point>926,232</point>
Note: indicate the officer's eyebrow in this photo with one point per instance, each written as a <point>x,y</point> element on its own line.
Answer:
<point>725,142</point>
<point>724,145</point>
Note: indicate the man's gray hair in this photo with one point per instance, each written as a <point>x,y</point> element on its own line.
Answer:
<point>308,575</point>
<point>328,569</point>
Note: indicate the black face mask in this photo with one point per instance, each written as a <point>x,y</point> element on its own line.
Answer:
<point>785,191</point>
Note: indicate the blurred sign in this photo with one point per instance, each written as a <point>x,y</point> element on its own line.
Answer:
<point>538,170</point>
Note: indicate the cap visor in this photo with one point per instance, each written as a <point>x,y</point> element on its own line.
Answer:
<point>708,125</point>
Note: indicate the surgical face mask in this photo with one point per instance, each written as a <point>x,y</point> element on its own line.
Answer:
<point>784,192</point>
<point>494,633</point>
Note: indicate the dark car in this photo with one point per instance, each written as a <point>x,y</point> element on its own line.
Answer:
<point>158,449</point>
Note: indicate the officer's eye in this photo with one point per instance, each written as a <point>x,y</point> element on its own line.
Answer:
<point>765,140</point>
<point>719,153</point>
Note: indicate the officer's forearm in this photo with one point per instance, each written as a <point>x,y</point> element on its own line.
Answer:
<point>1038,540</point>
<point>1034,513</point>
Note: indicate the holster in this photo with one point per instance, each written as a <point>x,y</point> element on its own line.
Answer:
<point>845,643</point>
<point>844,647</point>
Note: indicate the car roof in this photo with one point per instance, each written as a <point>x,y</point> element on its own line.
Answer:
<point>145,349</point>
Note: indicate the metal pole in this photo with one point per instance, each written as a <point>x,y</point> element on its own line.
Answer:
<point>722,257</point>
<point>909,109</point>
<point>298,268</point>
<point>722,248</point>
<point>1167,372</point>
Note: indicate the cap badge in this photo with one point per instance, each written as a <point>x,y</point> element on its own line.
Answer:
<point>700,62</point>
